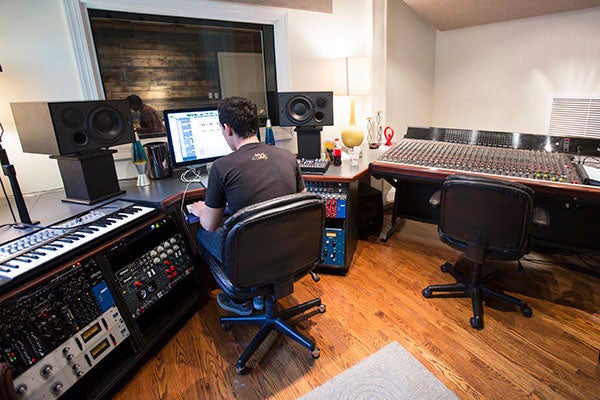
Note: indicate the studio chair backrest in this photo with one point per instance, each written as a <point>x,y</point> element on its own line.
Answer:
<point>486,217</point>
<point>273,241</point>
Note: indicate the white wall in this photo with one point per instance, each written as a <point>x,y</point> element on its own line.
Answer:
<point>319,38</point>
<point>503,76</point>
<point>39,63</point>
<point>410,69</point>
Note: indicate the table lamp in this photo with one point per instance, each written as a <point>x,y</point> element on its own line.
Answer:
<point>352,79</point>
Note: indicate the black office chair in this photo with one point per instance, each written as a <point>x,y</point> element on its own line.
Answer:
<point>486,219</point>
<point>266,248</point>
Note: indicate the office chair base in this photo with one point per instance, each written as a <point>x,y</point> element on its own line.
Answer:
<point>475,288</point>
<point>273,319</point>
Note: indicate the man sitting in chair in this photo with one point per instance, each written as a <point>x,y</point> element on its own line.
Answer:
<point>254,172</point>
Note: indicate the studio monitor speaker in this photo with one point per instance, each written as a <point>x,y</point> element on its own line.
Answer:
<point>72,127</point>
<point>305,108</point>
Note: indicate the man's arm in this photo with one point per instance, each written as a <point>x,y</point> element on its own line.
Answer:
<point>210,218</point>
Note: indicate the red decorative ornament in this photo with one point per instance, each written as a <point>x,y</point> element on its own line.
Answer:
<point>388,132</point>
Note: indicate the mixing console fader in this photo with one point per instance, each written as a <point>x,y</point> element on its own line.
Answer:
<point>54,332</point>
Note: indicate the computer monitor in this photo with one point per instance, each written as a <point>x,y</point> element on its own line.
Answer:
<point>194,136</point>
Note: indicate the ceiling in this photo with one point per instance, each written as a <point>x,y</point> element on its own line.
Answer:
<point>453,14</point>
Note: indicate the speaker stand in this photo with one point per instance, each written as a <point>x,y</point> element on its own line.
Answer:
<point>309,142</point>
<point>89,177</point>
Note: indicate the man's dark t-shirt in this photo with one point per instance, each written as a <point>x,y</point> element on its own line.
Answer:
<point>253,173</point>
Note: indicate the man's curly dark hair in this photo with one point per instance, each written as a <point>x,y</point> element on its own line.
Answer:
<point>240,114</point>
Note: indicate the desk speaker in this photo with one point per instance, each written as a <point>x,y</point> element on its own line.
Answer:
<point>305,108</point>
<point>72,127</point>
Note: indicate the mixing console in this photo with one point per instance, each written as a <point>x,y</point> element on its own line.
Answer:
<point>528,164</point>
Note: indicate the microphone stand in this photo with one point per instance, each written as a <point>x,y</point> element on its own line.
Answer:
<point>11,173</point>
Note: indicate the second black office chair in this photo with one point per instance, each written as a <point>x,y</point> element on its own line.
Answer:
<point>486,219</point>
<point>266,248</point>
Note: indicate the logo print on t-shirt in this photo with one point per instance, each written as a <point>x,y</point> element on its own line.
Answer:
<point>260,156</point>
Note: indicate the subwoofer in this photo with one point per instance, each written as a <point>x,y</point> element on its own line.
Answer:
<point>305,108</point>
<point>370,211</point>
<point>64,128</point>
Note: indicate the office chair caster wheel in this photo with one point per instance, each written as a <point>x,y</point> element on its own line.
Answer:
<point>477,322</point>
<point>426,293</point>
<point>322,308</point>
<point>242,369</point>
<point>315,353</point>
<point>445,267</point>
<point>527,312</point>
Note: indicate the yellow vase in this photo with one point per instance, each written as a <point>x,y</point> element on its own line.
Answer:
<point>352,135</point>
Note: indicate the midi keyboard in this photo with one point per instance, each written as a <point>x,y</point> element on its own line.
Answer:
<point>30,252</point>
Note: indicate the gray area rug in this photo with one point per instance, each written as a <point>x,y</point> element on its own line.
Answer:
<point>391,373</point>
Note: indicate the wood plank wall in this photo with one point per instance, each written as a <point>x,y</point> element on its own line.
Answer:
<point>167,65</point>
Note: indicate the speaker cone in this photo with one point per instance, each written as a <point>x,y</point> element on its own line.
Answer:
<point>106,123</point>
<point>300,109</point>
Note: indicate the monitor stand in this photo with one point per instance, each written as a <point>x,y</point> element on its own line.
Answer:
<point>309,142</point>
<point>197,173</point>
<point>89,177</point>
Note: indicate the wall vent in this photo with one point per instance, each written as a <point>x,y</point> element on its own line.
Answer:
<point>578,117</point>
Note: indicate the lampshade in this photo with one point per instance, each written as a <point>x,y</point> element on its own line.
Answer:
<point>351,76</point>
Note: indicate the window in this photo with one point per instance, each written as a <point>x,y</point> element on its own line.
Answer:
<point>174,62</point>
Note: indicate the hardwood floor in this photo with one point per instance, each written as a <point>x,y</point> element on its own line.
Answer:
<point>553,355</point>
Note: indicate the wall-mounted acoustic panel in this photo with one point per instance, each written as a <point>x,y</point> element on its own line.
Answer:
<point>72,127</point>
<point>305,108</point>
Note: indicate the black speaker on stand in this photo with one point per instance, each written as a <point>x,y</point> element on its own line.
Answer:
<point>78,134</point>
<point>308,112</point>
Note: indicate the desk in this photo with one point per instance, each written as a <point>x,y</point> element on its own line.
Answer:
<point>339,186</point>
<point>120,264</point>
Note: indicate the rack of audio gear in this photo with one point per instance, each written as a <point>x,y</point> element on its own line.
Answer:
<point>79,328</point>
<point>340,235</point>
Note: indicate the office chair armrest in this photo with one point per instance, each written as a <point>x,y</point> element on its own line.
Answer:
<point>541,217</point>
<point>434,200</point>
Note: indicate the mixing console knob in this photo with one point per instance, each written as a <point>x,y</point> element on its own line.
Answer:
<point>160,249</point>
<point>176,247</point>
<point>173,240</point>
<point>169,252</point>
<point>66,350</point>
<point>153,253</point>
<point>156,260</point>
<point>166,245</point>
<point>57,388</point>
<point>163,256</point>
<point>46,370</point>
<point>79,374</point>
<point>70,357</point>
<point>21,389</point>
